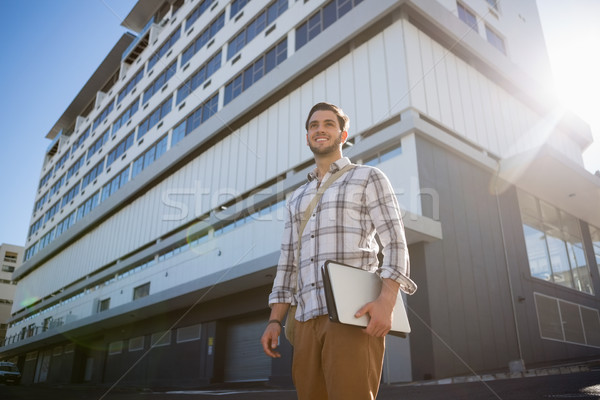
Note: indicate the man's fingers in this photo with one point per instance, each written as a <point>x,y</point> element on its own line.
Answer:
<point>269,341</point>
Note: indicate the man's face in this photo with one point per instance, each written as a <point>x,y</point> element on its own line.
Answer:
<point>324,135</point>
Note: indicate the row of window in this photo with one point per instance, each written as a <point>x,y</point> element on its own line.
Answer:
<point>207,34</point>
<point>198,78</point>
<point>322,19</point>
<point>256,26</point>
<point>163,49</point>
<point>469,18</point>
<point>184,334</point>
<point>262,66</point>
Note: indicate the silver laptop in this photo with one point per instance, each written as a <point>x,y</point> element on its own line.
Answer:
<point>348,288</point>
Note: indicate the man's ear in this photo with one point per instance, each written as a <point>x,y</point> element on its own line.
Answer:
<point>307,140</point>
<point>344,136</point>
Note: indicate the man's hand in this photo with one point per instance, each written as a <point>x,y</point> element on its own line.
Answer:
<point>381,310</point>
<point>270,338</point>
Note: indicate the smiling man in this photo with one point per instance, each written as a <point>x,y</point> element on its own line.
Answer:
<point>331,360</point>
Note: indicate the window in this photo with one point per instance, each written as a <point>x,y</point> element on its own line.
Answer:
<point>467,17</point>
<point>322,19</point>
<point>11,257</point>
<point>115,347</point>
<point>70,195</point>
<point>204,5</point>
<point>92,174</point>
<point>256,70</point>
<point>45,179</point>
<point>565,321</point>
<point>97,145</point>
<point>141,291</point>
<point>236,7</point>
<point>195,119</point>
<point>136,343</point>
<point>40,203</point>
<point>159,82</point>
<point>51,211</point>
<point>75,167</point>
<point>46,239</point>
<point>383,156</point>
<point>159,113</point>
<point>54,188</point>
<point>554,245</point>
<point>258,24</point>
<point>160,339</point>
<point>595,234</point>
<point>115,183</point>
<point>164,49</point>
<point>149,156</point>
<point>104,305</point>
<point>120,148</point>
<point>203,38</point>
<point>65,224</point>
<point>103,115</point>
<point>8,268</point>
<point>36,226</point>
<point>130,85</point>
<point>79,142</point>
<point>62,160</point>
<point>494,39</point>
<point>188,333</point>
<point>493,4</point>
<point>126,116</point>
<point>88,205</point>
<point>199,77</point>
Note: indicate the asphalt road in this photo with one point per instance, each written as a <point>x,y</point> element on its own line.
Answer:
<point>583,385</point>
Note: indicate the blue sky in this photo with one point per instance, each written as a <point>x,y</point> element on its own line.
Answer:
<point>51,48</point>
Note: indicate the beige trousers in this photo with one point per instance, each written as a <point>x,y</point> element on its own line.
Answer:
<point>336,362</point>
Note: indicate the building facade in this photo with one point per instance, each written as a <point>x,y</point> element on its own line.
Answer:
<point>156,227</point>
<point>11,257</point>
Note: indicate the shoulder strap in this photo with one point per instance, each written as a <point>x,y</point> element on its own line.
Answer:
<point>315,200</point>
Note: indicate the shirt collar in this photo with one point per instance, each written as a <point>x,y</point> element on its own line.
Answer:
<point>335,166</point>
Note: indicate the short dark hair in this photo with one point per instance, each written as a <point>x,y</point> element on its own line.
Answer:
<point>343,119</point>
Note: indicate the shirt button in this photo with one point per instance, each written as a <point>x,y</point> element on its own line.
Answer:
<point>312,259</point>
<point>312,284</point>
<point>312,236</point>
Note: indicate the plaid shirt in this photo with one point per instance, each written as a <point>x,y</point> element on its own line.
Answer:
<point>342,227</point>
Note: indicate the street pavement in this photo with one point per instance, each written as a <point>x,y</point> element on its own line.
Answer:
<point>580,385</point>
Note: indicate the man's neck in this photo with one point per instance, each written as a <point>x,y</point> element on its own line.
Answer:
<point>323,163</point>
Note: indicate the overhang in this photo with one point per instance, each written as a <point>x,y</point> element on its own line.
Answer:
<point>550,176</point>
<point>98,79</point>
<point>141,13</point>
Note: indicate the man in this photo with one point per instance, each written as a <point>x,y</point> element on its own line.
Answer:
<point>332,360</point>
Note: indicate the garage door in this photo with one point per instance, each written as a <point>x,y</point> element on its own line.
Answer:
<point>244,357</point>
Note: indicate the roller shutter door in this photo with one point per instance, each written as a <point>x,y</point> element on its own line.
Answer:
<point>245,359</point>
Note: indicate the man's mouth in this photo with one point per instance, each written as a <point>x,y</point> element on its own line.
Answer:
<point>321,139</point>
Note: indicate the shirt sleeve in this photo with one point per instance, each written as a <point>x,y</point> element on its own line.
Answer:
<point>385,214</point>
<point>286,276</point>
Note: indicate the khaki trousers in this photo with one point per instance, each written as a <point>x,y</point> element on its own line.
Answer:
<point>336,362</point>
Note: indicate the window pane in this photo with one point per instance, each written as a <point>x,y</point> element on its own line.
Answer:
<point>301,35</point>
<point>561,272</point>
<point>539,263</point>
<point>329,14</point>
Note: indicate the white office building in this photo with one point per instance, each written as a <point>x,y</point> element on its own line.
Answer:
<point>157,223</point>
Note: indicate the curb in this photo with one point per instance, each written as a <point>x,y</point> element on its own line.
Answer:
<point>506,375</point>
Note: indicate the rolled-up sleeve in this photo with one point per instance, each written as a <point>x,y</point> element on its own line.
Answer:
<point>286,276</point>
<point>385,214</point>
